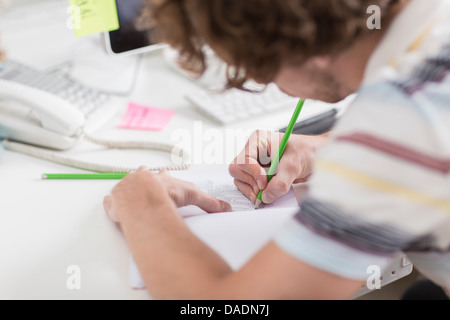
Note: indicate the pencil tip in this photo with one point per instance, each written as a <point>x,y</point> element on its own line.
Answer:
<point>44,176</point>
<point>258,203</point>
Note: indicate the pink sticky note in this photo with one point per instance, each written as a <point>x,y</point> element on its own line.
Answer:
<point>145,118</point>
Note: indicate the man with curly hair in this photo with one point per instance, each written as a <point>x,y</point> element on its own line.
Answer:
<point>378,183</point>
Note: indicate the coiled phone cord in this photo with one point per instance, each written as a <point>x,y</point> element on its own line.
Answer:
<point>57,157</point>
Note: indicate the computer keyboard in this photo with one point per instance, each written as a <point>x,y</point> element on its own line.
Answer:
<point>86,99</point>
<point>236,105</point>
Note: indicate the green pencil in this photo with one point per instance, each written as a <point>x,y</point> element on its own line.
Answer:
<point>81,176</point>
<point>283,144</point>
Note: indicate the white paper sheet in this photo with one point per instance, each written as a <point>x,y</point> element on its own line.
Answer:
<point>219,183</point>
<point>236,236</point>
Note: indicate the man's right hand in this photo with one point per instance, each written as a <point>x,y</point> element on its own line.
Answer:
<point>249,168</point>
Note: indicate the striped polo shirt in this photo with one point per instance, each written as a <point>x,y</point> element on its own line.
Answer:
<point>381,185</point>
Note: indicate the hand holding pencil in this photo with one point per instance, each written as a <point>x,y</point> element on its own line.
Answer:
<point>275,161</point>
<point>295,165</point>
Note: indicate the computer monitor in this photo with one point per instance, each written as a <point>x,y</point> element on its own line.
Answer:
<point>128,39</point>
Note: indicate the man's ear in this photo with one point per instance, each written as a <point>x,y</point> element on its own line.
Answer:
<point>321,62</point>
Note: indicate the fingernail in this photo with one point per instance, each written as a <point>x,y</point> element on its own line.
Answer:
<point>225,206</point>
<point>260,184</point>
<point>107,203</point>
<point>268,197</point>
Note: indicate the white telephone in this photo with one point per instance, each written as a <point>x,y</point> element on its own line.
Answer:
<point>37,117</point>
<point>34,120</point>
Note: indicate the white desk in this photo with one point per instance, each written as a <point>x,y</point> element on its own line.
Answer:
<point>49,226</point>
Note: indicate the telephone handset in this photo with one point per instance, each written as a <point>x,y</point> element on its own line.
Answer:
<point>37,117</point>
<point>32,121</point>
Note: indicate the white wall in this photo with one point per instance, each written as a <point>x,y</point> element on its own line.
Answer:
<point>19,2</point>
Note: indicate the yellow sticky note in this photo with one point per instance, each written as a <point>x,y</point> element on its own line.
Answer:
<point>93,16</point>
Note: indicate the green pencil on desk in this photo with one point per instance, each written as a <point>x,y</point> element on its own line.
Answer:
<point>283,144</point>
<point>83,176</point>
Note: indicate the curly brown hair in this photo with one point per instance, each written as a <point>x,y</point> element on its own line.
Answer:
<point>254,37</point>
